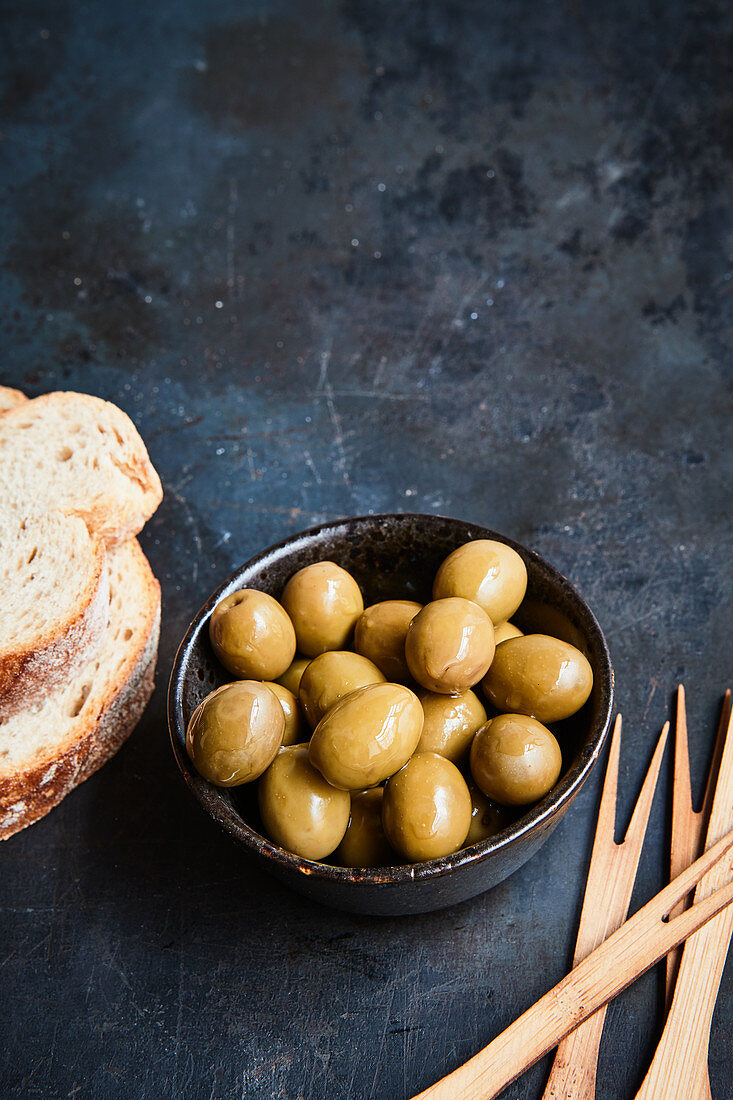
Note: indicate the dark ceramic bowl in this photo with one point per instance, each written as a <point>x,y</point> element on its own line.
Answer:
<point>397,556</point>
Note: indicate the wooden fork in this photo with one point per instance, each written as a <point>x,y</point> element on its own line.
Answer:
<point>688,825</point>
<point>637,945</point>
<point>607,896</point>
<point>680,1064</point>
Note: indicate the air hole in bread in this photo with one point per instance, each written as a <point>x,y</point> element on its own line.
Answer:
<point>64,454</point>
<point>127,635</point>
<point>34,551</point>
<point>119,438</point>
<point>200,675</point>
<point>77,704</point>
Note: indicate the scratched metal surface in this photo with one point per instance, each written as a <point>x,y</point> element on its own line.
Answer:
<point>468,258</point>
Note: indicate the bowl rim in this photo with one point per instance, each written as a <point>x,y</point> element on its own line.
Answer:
<point>227,816</point>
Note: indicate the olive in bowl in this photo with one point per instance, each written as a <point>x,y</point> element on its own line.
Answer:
<point>449,723</point>
<point>299,809</point>
<point>364,843</point>
<point>323,601</point>
<point>393,557</point>
<point>539,675</point>
<point>427,808</point>
<point>449,645</point>
<point>488,572</point>
<point>332,675</point>
<point>515,760</point>
<point>380,633</point>
<point>235,732</point>
<point>252,635</point>
<point>367,736</point>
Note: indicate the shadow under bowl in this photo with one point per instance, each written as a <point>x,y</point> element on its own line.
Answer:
<point>397,556</point>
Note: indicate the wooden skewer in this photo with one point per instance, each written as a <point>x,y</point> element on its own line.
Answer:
<point>680,1064</point>
<point>607,896</point>
<point>638,944</point>
<point>688,825</point>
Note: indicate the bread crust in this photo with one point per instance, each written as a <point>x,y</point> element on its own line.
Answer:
<point>10,398</point>
<point>29,676</point>
<point>27,795</point>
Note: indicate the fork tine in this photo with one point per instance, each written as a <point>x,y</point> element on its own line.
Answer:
<point>607,811</point>
<point>639,818</point>
<point>608,891</point>
<point>685,840</point>
<point>682,852</point>
<point>688,825</point>
<point>707,802</point>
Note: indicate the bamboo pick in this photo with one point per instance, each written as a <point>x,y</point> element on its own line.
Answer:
<point>637,945</point>
<point>680,1064</point>
<point>607,897</point>
<point>688,825</point>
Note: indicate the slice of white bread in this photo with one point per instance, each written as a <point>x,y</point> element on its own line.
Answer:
<point>46,752</point>
<point>9,399</point>
<point>80,455</point>
<point>55,600</point>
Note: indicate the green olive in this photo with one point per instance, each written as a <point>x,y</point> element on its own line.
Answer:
<point>540,676</point>
<point>505,631</point>
<point>324,602</point>
<point>300,811</point>
<point>450,723</point>
<point>449,645</point>
<point>487,817</point>
<point>426,811</point>
<point>290,679</point>
<point>515,760</point>
<point>380,635</point>
<point>488,572</point>
<point>252,636</point>
<point>364,844</point>
<point>295,728</point>
<point>332,675</point>
<point>235,733</point>
<point>367,736</point>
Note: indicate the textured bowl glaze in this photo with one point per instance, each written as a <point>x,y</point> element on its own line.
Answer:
<point>394,556</point>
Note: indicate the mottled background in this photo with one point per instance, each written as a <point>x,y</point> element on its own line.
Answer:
<point>465,257</point>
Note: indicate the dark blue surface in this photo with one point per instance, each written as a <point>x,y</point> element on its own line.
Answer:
<point>468,258</point>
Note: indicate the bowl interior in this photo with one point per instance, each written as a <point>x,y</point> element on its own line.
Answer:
<point>393,556</point>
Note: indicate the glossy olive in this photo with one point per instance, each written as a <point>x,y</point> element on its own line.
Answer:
<point>449,645</point>
<point>364,843</point>
<point>380,635</point>
<point>235,733</point>
<point>515,760</point>
<point>540,676</point>
<point>426,811</point>
<point>299,809</point>
<point>332,675</point>
<point>252,635</point>
<point>504,631</point>
<point>487,817</point>
<point>324,602</point>
<point>450,723</point>
<point>296,728</point>
<point>290,679</point>
<point>367,736</point>
<point>488,572</point>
